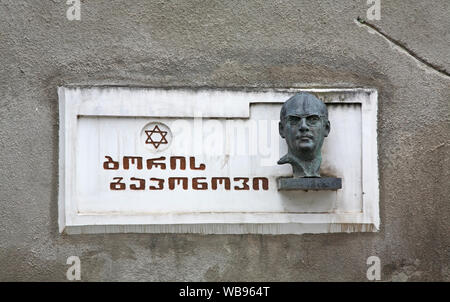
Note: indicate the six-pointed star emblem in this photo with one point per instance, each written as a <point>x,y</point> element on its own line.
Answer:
<point>152,140</point>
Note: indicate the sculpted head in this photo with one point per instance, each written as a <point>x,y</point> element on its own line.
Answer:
<point>304,125</point>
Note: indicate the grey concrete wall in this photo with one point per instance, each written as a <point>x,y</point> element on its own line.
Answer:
<point>228,44</point>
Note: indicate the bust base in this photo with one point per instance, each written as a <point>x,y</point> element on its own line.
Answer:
<point>313,183</point>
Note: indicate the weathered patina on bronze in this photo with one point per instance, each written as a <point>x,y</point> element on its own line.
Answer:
<point>304,125</point>
<point>310,183</point>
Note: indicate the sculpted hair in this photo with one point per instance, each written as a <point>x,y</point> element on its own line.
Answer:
<point>307,100</point>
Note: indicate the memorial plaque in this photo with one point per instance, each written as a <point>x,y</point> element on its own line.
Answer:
<point>206,161</point>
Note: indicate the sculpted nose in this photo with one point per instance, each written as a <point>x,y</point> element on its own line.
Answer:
<point>303,125</point>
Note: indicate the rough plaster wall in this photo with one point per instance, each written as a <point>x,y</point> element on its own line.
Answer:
<point>228,44</point>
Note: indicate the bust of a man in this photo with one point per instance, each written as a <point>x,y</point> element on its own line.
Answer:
<point>304,125</point>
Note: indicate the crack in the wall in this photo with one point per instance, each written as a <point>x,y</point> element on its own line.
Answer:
<point>373,29</point>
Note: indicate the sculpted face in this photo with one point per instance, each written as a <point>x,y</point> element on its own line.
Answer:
<point>304,124</point>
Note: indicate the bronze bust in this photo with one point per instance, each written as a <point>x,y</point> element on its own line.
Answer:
<point>304,125</point>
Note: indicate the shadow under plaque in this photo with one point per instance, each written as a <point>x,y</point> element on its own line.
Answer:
<point>309,183</point>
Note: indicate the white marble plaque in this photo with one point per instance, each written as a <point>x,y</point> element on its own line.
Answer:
<point>205,161</point>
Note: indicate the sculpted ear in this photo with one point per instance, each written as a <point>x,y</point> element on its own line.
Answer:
<point>327,128</point>
<point>281,129</point>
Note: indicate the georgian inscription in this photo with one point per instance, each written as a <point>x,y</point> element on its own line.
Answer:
<point>175,163</point>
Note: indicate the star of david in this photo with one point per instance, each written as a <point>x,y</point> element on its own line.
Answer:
<point>155,142</point>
